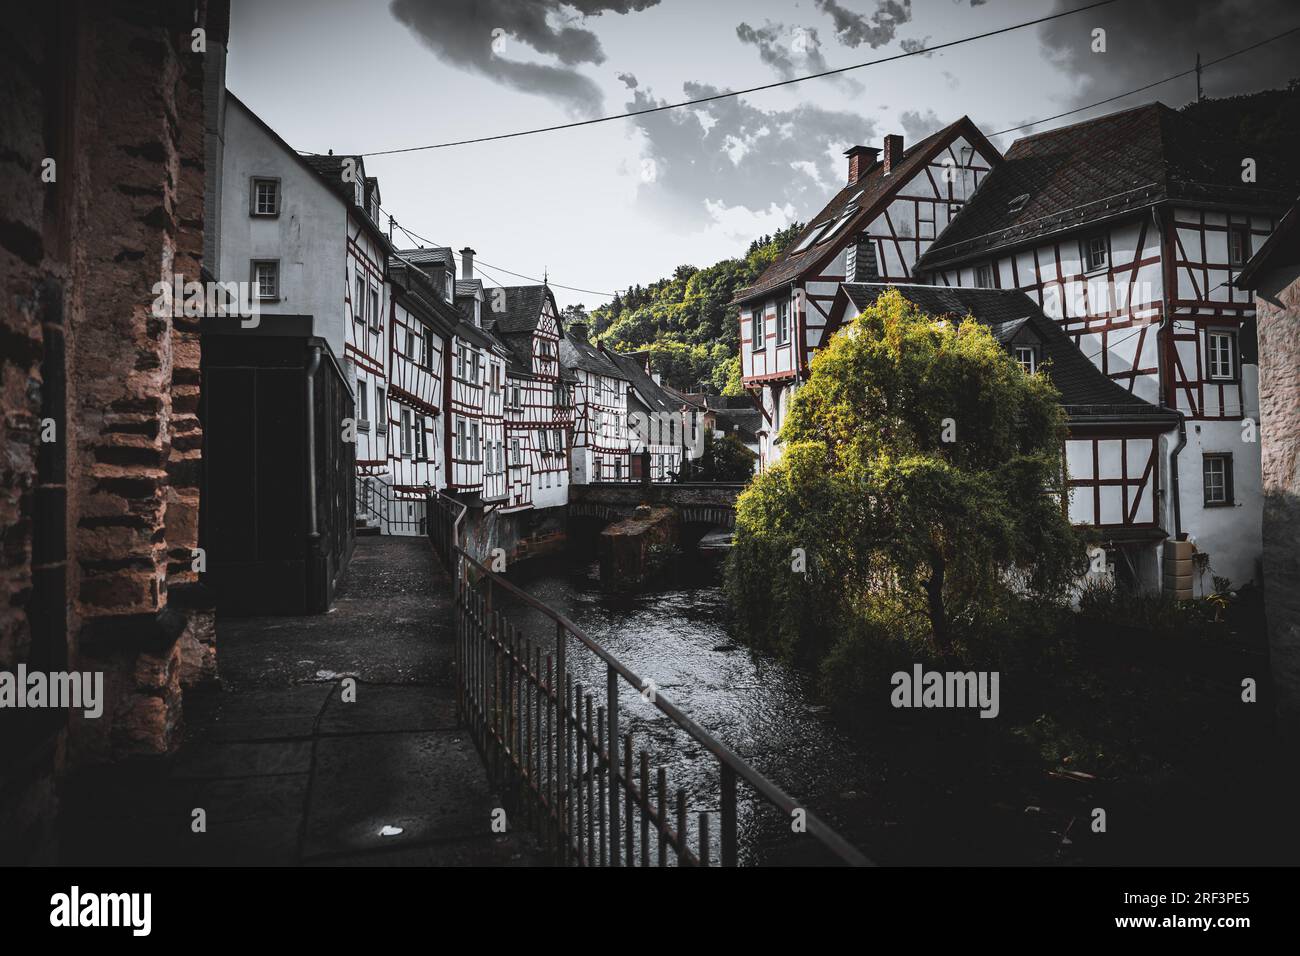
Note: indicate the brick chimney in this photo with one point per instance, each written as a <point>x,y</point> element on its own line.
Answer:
<point>861,159</point>
<point>467,263</point>
<point>893,152</point>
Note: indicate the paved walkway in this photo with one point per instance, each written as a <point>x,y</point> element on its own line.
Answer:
<point>289,773</point>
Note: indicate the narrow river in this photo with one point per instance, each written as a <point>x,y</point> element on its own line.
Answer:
<point>676,634</point>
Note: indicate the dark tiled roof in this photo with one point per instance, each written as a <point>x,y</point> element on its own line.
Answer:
<point>523,307</point>
<point>577,354</point>
<point>871,194</point>
<point>653,394</point>
<point>1098,169</point>
<point>330,170</point>
<point>520,344</point>
<point>1085,391</point>
<point>1281,248</point>
<point>436,255</point>
<point>416,285</point>
<point>468,287</point>
<point>745,421</point>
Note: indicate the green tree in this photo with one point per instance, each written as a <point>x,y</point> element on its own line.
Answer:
<point>923,470</point>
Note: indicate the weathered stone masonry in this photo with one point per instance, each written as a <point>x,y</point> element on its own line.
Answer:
<point>98,525</point>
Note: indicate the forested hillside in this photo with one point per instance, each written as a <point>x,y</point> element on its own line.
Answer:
<point>685,321</point>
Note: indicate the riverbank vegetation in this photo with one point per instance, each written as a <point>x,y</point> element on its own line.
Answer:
<point>914,518</point>
<point>686,321</point>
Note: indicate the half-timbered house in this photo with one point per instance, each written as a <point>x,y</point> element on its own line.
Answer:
<point>894,204</point>
<point>599,447</point>
<point>287,222</point>
<point>421,326</point>
<point>538,405</point>
<point>658,424</point>
<point>473,387</point>
<point>1129,230</point>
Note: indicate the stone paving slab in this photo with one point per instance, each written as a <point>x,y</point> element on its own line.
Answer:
<point>387,708</point>
<point>289,773</point>
<point>431,785</point>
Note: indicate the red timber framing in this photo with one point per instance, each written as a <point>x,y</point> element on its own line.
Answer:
<point>494,427</point>
<point>415,391</point>
<point>365,342</point>
<point>1112,313</point>
<point>1114,476</point>
<point>601,425</point>
<point>1208,310</point>
<point>539,418</point>
<point>464,374</point>
<point>894,224</point>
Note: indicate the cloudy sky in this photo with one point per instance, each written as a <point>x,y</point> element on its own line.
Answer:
<point>608,205</point>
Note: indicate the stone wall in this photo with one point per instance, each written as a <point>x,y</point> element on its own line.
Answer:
<point>101,198</point>
<point>1278,318</point>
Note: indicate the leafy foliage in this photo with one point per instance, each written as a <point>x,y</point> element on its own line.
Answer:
<point>686,321</point>
<point>922,475</point>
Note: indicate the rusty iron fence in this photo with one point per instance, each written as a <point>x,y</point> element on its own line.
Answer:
<point>557,750</point>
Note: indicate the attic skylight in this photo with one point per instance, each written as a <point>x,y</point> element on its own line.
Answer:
<point>809,239</point>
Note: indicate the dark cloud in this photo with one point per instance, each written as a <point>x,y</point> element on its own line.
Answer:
<point>735,154</point>
<point>917,125</point>
<point>475,35</point>
<point>916,46</point>
<point>1155,38</point>
<point>791,52</point>
<point>628,80</point>
<point>854,29</point>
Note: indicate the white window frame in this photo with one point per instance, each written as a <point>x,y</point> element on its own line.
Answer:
<point>1086,250</point>
<point>255,197</point>
<point>1020,352</point>
<point>758,328</point>
<point>782,323</point>
<point>1215,363</point>
<point>274,270</point>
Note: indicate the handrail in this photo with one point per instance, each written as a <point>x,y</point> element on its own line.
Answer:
<point>732,766</point>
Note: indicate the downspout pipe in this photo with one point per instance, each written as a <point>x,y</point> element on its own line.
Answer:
<point>1166,338</point>
<point>313,363</point>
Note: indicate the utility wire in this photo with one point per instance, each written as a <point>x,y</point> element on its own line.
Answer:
<point>1140,89</point>
<point>419,240</point>
<point>753,89</point>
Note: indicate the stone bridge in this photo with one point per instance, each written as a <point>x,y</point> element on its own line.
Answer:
<point>711,503</point>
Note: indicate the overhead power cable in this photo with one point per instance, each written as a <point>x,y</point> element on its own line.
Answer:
<point>1140,89</point>
<point>926,51</point>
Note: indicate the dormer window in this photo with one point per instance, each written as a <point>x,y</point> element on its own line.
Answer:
<point>1027,358</point>
<point>1238,245</point>
<point>1095,252</point>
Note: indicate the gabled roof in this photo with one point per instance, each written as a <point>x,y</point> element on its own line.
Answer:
<point>652,394</point>
<point>453,316</point>
<point>871,194</point>
<point>1281,248</point>
<point>468,287</point>
<point>1086,393</point>
<point>744,421</point>
<point>415,284</point>
<point>523,307</point>
<point>574,353</point>
<point>327,168</point>
<point>1078,175</point>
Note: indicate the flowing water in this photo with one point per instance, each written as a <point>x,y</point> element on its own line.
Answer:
<point>677,634</point>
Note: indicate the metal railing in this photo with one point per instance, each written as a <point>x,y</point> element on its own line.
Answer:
<point>564,759</point>
<point>378,501</point>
